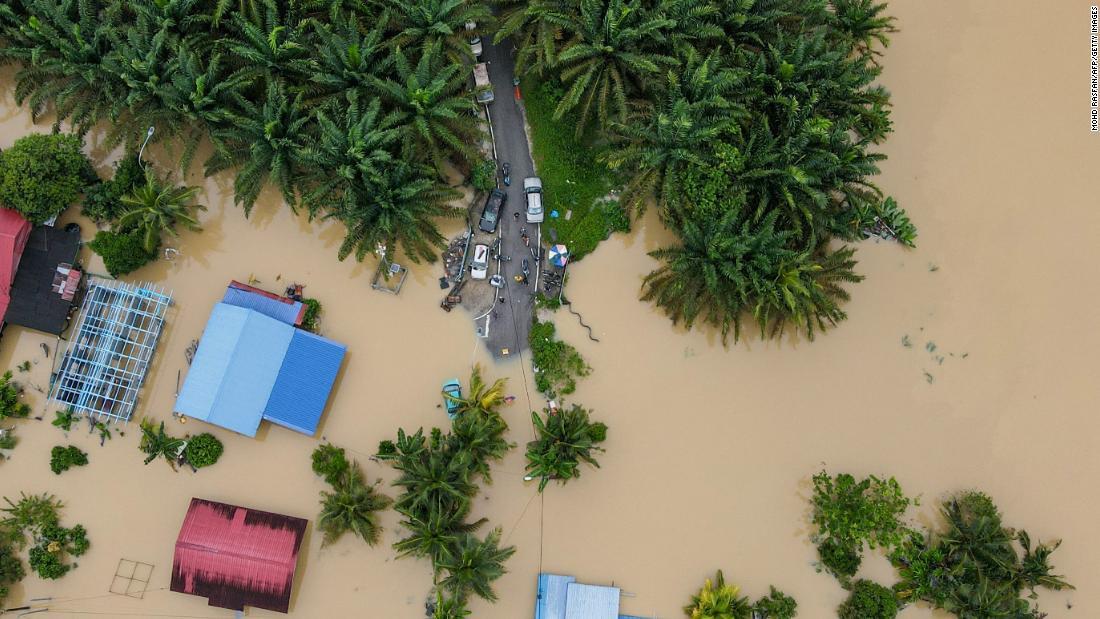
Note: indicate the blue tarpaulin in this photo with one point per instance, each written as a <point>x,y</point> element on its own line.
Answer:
<point>250,367</point>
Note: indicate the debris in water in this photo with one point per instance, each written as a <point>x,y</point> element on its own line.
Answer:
<point>930,347</point>
<point>928,377</point>
<point>933,267</point>
<point>939,359</point>
<point>906,342</point>
<point>965,355</point>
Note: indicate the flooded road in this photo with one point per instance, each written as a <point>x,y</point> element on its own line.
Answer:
<point>710,450</point>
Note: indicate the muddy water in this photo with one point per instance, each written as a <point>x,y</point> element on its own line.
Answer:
<point>710,449</point>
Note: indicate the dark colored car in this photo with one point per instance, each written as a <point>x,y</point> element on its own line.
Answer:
<point>493,207</point>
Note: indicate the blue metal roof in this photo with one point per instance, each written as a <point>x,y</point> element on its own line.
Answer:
<point>304,382</point>
<point>591,602</point>
<point>279,310</point>
<point>550,602</point>
<point>235,368</point>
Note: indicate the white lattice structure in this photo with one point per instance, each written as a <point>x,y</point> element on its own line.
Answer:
<point>108,355</point>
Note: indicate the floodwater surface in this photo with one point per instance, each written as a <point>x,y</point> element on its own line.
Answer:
<point>710,449</point>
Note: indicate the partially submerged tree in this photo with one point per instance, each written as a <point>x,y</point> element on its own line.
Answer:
<point>564,440</point>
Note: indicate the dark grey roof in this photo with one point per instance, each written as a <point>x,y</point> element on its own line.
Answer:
<point>33,303</point>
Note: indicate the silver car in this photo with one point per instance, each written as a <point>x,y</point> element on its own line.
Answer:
<point>532,191</point>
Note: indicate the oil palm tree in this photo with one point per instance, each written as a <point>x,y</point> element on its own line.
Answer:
<point>718,600</point>
<point>434,110</point>
<point>60,48</point>
<point>354,145</point>
<point>437,24</point>
<point>698,25</point>
<point>680,129</point>
<point>537,28</point>
<point>433,531</point>
<point>348,57</point>
<point>730,266</point>
<point>471,565</point>
<point>865,23</point>
<point>352,506</point>
<point>564,439</point>
<point>156,208</point>
<point>274,48</point>
<point>396,210</point>
<point>266,142</point>
<point>609,56</point>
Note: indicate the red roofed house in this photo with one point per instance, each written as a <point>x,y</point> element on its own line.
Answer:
<point>237,557</point>
<point>14,231</point>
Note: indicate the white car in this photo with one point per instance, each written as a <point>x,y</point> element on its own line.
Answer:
<point>532,190</point>
<point>475,46</point>
<point>479,266</point>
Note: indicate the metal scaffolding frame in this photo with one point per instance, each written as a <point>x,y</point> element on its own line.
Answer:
<point>107,358</point>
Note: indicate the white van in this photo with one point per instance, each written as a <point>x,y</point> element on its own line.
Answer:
<point>479,266</point>
<point>532,190</point>
<point>483,88</point>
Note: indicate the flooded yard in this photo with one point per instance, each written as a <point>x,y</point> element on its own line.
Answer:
<point>966,363</point>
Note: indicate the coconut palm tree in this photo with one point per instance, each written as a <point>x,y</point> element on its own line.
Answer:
<point>434,478</point>
<point>679,130</point>
<point>60,48</point>
<point>352,506</point>
<point>449,607</point>
<point>434,109</point>
<point>717,600</point>
<point>480,397</point>
<point>609,57</point>
<point>156,208</point>
<point>437,24</point>
<point>564,439</point>
<point>433,531</point>
<point>395,210</point>
<point>265,142</point>
<point>537,28</point>
<point>480,434</point>
<point>354,145</point>
<point>472,564</point>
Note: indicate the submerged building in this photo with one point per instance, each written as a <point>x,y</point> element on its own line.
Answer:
<point>253,364</point>
<point>38,279</point>
<point>562,597</point>
<point>237,557</point>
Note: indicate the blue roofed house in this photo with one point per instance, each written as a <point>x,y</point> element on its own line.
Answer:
<point>251,367</point>
<point>562,597</point>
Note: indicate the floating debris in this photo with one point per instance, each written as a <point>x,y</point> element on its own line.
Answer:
<point>906,342</point>
<point>930,347</point>
<point>928,377</point>
<point>939,359</point>
<point>965,355</point>
<point>933,267</point>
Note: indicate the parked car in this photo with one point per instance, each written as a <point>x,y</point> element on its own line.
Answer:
<point>479,266</point>
<point>475,46</point>
<point>494,205</point>
<point>532,190</point>
<point>452,388</point>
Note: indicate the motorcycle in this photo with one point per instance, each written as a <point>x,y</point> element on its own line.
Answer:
<point>496,255</point>
<point>526,270</point>
<point>523,235</point>
<point>506,170</point>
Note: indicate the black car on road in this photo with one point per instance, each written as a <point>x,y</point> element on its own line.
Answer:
<point>494,205</point>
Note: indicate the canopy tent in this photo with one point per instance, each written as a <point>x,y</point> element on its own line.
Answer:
<point>250,367</point>
<point>236,556</point>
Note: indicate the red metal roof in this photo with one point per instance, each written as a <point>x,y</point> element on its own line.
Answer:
<point>14,231</point>
<point>236,556</point>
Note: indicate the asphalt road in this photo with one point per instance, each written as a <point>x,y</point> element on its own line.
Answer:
<point>509,322</point>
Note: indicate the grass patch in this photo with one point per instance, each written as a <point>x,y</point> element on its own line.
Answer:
<point>572,177</point>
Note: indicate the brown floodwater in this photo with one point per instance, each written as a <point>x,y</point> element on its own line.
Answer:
<point>710,449</point>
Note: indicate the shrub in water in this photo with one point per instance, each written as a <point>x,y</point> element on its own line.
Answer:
<point>869,600</point>
<point>330,462</point>
<point>122,253</point>
<point>203,450</point>
<point>103,201</point>
<point>64,458</point>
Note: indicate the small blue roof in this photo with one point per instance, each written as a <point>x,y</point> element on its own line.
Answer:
<point>591,602</point>
<point>304,382</point>
<point>550,601</point>
<point>282,310</point>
